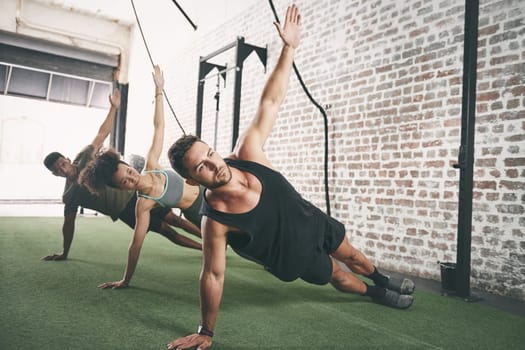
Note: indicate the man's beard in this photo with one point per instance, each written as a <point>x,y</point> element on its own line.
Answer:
<point>227,176</point>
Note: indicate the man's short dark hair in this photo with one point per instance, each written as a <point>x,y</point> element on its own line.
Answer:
<point>51,158</point>
<point>177,152</point>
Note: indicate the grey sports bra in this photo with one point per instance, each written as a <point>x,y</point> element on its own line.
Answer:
<point>173,188</point>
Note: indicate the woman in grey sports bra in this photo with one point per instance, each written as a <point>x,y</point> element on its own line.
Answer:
<point>154,186</point>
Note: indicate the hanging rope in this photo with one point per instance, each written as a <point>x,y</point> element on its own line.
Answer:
<point>325,118</point>
<point>185,15</point>
<point>153,64</point>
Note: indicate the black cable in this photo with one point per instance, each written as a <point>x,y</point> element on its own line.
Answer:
<point>153,64</point>
<point>185,15</point>
<point>323,112</point>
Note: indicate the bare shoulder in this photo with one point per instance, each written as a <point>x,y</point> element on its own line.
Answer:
<point>145,204</point>
<point>257,157</point>
<point>253,154</point>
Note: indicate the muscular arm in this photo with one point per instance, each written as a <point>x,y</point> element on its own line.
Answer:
<point>250,144</point>
<point>141,228</point>
<point>152,159</point>
<point>68,229</point>
<point>213,267</point>
<point>107,125</point>
<point>211,283</point>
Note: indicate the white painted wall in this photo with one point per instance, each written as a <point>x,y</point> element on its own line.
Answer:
<point>29,129</point>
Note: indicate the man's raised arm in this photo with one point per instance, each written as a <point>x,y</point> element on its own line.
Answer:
<point>250,144</point>
<point>107,124</point>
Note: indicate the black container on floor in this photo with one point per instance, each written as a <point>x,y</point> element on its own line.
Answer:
<point>448,277</point>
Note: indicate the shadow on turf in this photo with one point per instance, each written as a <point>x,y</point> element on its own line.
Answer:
<point>248,293</point>
<point>86,262</point>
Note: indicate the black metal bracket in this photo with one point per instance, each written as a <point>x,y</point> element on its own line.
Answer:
<point>207,67</point>
<point>243,50</point>
<point>462,158</point>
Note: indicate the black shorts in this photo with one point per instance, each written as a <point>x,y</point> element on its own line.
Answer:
<point>320,267</point>
<point>157,215</point>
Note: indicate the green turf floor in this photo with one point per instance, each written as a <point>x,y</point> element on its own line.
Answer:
<point>56,305</point>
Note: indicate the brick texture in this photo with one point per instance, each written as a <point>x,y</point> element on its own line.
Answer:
<point>390,73</point>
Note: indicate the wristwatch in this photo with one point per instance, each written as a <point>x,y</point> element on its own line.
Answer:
<point>204,331</point>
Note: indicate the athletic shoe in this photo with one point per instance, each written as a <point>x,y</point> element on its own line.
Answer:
<point>395,300</point>
<point>401,285</point>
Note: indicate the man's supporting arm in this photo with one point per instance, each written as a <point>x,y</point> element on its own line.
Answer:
<point>68,230</point>
<point>211,284</point>
<point>213,268</point>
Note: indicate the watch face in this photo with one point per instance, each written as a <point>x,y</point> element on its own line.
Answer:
<point>203,331</point>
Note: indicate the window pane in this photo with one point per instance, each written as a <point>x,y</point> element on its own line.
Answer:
<point>28,83</point>
<point>3,77</point>
<point>69,90</point>
<point>101,92</point>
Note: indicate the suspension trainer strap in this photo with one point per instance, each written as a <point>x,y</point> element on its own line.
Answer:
<point>153,64</point>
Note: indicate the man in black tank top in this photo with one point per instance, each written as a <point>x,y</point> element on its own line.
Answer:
<point>255,210</point>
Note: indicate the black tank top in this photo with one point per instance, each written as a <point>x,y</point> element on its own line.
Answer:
<point>281,232</point>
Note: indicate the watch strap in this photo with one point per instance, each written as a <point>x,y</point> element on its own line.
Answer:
<point>204,331</point>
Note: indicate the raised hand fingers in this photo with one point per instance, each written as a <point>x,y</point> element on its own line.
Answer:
<point>288,15</point>
<point>158,71</point>
<point>292,14</point>
<point>114,98</point>
<point>290,32</point>
<point>279,29</point>
<point>158,76</point>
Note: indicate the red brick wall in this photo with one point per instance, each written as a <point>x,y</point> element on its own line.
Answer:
<point>391,72</point>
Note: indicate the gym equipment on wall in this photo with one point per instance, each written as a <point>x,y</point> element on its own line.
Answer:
<point>242,51</point>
